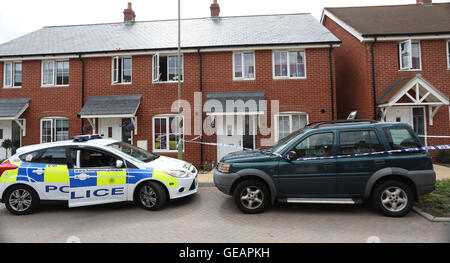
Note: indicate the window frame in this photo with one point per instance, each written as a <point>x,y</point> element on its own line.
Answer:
<point>114,70</point>
<point>410,57</point>
<point>242,53</point>
<point>53,127</point>
<point>155,59</point>
<point>12,75</point>
<point>54,73</point>
<point>287,114</point>
<point>333,142</point>
<point>447,44</point>
<point>288,64</point>
<point>375,133</point>
<point>167,133</point>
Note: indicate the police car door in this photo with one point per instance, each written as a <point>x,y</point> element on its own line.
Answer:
<point>96,177</point>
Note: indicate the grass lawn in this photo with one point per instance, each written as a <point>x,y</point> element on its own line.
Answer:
<point>437,203</point>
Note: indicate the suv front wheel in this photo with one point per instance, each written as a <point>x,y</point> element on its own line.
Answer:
<point>393,198</point>
<point>251,196</point>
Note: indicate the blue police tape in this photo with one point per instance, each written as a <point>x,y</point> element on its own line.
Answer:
<point>439,147</point>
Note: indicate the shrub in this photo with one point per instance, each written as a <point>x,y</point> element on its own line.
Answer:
<point>444,156</point>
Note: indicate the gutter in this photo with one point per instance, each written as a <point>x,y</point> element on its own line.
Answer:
<point>331,81</point>
<point>374,95</point>
<point>201,106</point>
<point>82,88</point>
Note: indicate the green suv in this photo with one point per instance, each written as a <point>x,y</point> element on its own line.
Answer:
<point>294,170</point>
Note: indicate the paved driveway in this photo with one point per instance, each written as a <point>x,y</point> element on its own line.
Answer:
<point>211,216</point>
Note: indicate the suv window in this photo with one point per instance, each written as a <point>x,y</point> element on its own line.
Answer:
<point>400,138</point>
<point>355,142</point>
<point>316,145</point>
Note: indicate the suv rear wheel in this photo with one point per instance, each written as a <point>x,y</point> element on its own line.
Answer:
<point>393,198</point>
<point>251,196</point>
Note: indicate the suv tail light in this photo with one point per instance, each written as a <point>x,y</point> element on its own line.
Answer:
<point>6,166</point>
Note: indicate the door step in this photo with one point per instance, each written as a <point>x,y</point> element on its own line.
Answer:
<point>350,201</point>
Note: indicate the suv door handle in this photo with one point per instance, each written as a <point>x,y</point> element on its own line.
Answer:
<point>379,162</point>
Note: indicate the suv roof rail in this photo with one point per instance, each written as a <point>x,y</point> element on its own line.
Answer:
<point>317,124</point>
<point>84,138</point>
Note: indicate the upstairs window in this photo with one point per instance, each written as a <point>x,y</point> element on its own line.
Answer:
<point>55,73</point>
<point>121,70</point>
<point>243,66</point>
<point>12,75</point>
<point>409,52</point>
<point>165,68</point>
<point>289,64</point>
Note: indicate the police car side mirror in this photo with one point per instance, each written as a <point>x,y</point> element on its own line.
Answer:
<point>292,155</point>
<point>119,164</point>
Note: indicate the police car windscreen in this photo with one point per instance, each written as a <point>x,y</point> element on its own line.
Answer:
<point>133,151</point>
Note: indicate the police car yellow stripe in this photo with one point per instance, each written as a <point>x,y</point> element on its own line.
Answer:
<point>168,180</point>
<point>56,174</point>
<point>112,177</point>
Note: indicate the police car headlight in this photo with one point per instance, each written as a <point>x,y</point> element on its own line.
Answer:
<point>178,173</point>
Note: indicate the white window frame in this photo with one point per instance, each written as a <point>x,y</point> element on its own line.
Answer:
<point>287,114</point>
<point>156,68</point>
<point>113,70</point>
<point>243,65</point>
<point>52,120</point>
<point>11,86</point>
<point>54,62</point>
<point>447,44</point>
<point>167,117</point>
<point>288,64</point>
<point>409,42</point>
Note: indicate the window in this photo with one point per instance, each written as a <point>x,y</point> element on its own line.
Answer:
<point>1,134</point>
<point>409,55</point>
<point>86,158</point>
<point>356,142</point>
<point>55,73</point>
<point>400,138</point>
<point>316,145</point>
<point>54,129</point>
<point>448,54</point>
<point>165,68</point>
<point>30,157</point>
<point>288,123</point>
<point>12,75</point>
<point>121,70</point>
<point>243,66</point>
<point>167,130</point>
<point>56,155</point>
<point>289,64</point>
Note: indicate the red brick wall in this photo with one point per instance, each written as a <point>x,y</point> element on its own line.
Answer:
<point>310,95</point>
<point>354,77</point>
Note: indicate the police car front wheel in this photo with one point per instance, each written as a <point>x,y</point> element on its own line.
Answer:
<point>151,196</point>
<point>21,200</point>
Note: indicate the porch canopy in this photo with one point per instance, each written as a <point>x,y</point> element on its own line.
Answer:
<point>112,106</point>
<point>235,103</point>
<point>412,91</point>
<point>12,108</point>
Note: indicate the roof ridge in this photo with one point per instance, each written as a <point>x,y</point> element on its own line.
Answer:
<point>368,6</point>
<point>183,19</point>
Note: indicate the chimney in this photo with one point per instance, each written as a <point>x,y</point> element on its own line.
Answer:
<point>128,14</point>
<point>424,2</point>
<point>215,9</point>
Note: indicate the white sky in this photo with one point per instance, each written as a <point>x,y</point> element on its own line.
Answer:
<point>18,17</point>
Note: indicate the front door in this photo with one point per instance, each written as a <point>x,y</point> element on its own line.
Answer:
<point>5,133</point>
<point>228,132</point>
<point>309,178</point>
<point>94,178</point>
<point>111,128</point>
<point>414,116</point>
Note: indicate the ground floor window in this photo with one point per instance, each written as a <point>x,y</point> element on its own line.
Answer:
<point>54,129</point>
<point>167,130</point>
<point>286,123</point>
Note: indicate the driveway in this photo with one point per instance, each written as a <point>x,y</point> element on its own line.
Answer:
<point>211,216</point>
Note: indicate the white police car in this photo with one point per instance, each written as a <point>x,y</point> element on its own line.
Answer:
<point>90,170</point>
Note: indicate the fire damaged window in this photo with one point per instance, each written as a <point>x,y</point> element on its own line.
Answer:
<point>121,70</point>
<point>165,68</point>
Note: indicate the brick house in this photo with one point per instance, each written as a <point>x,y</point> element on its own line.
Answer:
<point>394,64</point>
<point>119,79</point>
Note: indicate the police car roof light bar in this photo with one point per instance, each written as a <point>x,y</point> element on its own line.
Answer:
<point>83,138</point>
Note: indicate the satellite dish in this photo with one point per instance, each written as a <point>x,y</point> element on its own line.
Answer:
<point>352,115</point>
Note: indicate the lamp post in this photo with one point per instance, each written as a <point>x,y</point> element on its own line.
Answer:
<point>180,145</point>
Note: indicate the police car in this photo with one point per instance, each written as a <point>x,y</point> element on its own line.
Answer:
<point>91,170</point>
